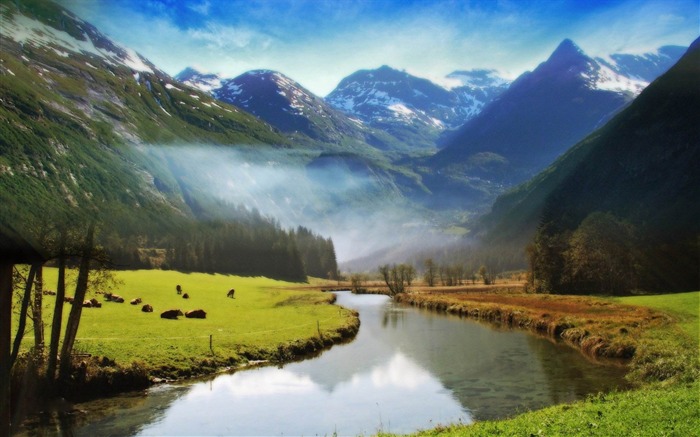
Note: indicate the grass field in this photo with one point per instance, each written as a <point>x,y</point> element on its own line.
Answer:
<point>667,403</point>
<point>683,307</point>
<point>264,315</point>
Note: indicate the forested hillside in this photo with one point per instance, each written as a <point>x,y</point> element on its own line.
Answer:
<point>629,188</point>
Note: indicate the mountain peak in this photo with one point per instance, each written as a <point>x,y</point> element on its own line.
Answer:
<point>187,73</point>
<point>205,82</point>
<point>567,50</point>
<point>260,72</point>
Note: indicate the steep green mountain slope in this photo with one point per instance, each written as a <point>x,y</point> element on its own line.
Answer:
<point>75,107</point>
<point>641,167</point>
<point>84,127</point>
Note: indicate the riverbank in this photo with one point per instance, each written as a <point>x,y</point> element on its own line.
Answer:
<point>599,328</point>
<point>665,366</point>
<point>121,348</point>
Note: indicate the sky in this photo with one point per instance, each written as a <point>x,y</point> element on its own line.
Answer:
<point>319,42</point>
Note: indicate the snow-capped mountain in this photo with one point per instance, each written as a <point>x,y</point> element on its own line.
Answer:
<point>283,103</point>
<point>570,62</point>
<point>291,108</point>
<point>476,89</point>
<point>386,95</point>
<point>644,67</point>
<point>541,115</point>
<point>411,108</point>
<point>206,82</point>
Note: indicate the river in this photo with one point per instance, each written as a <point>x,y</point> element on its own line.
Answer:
<point>407,369</point>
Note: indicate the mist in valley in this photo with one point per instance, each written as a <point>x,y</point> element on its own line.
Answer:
<point>359,207</point>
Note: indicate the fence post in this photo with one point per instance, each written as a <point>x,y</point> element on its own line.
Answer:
<point>211,348</point>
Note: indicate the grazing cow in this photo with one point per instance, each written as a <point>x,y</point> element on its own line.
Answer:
<point>116,298</point>
<point>196,314</point>
<point>185,296</point>
<point>230,293</point>
<point>87,304</point>
<point>49,293</point>
<point>178,289</point>
<point>97,305</point>
<point>94,302</point>
<point>68,299</point>
<point>135,301</point>
<point>108,296</point>
<point>170,314</point>
<point>147,308</point>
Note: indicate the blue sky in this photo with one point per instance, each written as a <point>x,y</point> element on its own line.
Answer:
<point>318,42</point>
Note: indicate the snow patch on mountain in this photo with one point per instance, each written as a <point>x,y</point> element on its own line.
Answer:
<point>604,78</point>
<point>476,79</point>
<point>26,30</point>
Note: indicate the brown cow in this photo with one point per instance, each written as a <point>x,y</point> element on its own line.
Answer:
<point>49,293</point>
<point>116,298</point>
<point>94,302</point>
<point>135,301</point>
<point>185,296</point>
<point>196,314</point>
<point>108,296</point>
<point>178,289</point>
<point>87,304</point>
<point>147,308</point>
<point>97,305</point>
<point>231,293</point>
<point>68,299</point>
<point>170,314</point>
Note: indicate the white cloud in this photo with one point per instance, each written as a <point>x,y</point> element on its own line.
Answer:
<point>201,8</point>
<point>634,27</point>
<point>218,37</point>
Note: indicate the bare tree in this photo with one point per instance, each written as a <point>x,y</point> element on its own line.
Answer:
<point>77,308</point>
<point>430,272</point>
<point>37,318</point>
<point>23,313</point>
<point>484,273</point>
<point>395,277</point>
<point>357,281</point>
<point>58,308</point>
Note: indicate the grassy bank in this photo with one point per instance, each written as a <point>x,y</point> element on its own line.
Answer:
<point>267,320</point>
<point>600,328</point>
<point>665,366</point>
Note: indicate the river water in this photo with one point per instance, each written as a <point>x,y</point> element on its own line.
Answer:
<point>407,369</point>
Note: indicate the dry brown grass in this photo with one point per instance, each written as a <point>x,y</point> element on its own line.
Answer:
<point>597,326</point>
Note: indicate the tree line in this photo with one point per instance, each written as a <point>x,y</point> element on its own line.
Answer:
<point>255,247</point>
<point>604,254</point>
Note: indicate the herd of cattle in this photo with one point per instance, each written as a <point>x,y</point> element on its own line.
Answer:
<point>146,308</point>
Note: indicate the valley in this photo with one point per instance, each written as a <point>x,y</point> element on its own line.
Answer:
<point>575,176</point>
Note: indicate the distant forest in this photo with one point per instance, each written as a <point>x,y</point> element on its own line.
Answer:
<point>244,243</point>
<point>254,247</point>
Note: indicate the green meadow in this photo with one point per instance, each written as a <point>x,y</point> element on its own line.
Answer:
<point>265,315</point>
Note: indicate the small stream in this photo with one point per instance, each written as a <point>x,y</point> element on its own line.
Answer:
<point>408,369</point>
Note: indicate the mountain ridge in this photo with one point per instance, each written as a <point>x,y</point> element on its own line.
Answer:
<point>640,167</point>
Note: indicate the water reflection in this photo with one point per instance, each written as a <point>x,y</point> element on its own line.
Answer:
<point>406,370</point>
